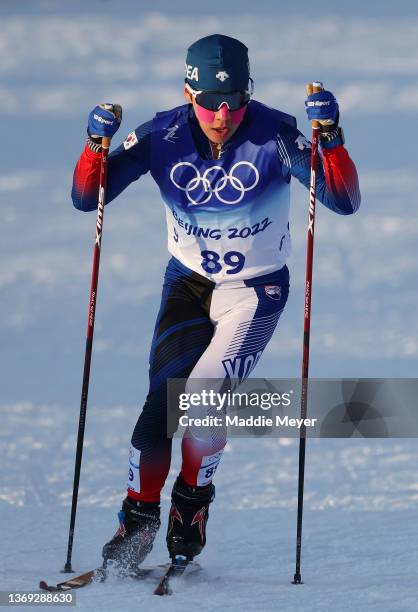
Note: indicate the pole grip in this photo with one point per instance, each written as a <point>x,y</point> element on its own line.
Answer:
<point>106,142</point>
<point>311,88</point>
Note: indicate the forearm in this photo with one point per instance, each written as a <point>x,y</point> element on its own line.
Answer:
<point>336,178</point>
<point>337,181</point>
<point>126,164</point>
<point>337,184</point>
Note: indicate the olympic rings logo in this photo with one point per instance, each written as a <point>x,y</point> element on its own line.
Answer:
<point>197,197</point>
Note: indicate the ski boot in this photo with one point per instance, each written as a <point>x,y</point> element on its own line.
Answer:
<point>138,525</point>
<point>189,513</point>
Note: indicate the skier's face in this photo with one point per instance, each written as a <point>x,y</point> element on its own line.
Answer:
<point>222,126</point>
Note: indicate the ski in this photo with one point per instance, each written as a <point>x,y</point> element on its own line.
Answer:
<point>174,569</point>
<point>171,570</point>
<point>97,575</point>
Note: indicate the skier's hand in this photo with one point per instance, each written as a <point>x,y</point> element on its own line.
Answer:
<point>323,107</point>
<point>104,120</point>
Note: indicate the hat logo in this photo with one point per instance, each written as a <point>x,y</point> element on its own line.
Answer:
<point>222,75</point>
<point>192,73</point>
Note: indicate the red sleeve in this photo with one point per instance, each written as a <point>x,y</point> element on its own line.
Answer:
<point>341,178</point>
<point>86,180</point>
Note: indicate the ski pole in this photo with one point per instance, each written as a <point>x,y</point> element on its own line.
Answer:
<point>310,88</point>
<point>89,346</point>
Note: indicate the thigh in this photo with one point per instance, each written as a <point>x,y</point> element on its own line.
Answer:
<point>244,320</point>
<point>183,329</point>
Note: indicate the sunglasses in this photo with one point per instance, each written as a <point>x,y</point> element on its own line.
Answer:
<point>208,103</point>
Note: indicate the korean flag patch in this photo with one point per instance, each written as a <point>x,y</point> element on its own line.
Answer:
<point>273,291</point>
<point>130,141</point>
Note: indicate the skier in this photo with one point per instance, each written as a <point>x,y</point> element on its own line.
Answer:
<point>223,164</point>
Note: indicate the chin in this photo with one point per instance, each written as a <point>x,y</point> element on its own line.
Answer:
<point>220,138</point>
<point>217,139</point>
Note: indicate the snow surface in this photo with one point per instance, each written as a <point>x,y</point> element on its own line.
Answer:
<point>360,537</point>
